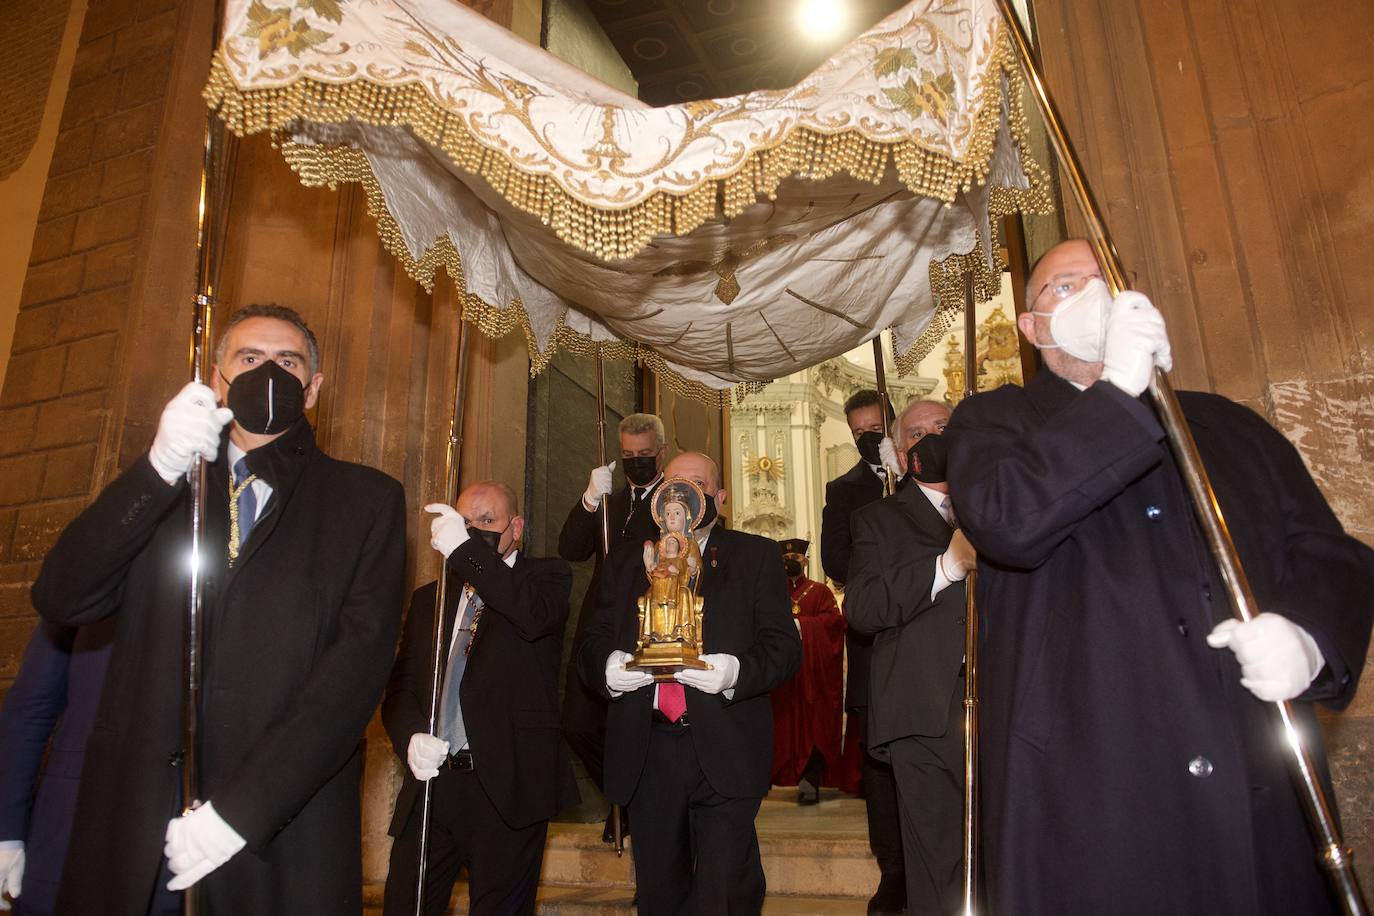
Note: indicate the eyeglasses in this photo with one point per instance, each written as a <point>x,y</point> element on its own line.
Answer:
<point>1062,286</point>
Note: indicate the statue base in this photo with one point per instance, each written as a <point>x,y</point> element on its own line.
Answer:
<point>664,659</point>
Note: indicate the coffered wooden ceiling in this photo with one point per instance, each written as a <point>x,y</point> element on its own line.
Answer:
<point>681,50</point>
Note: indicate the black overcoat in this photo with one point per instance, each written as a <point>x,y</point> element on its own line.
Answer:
<point>298,642</point>
<point>1125,769</point>
<point>509,691</point>
<point>746,613</point>
<point>918,643</point>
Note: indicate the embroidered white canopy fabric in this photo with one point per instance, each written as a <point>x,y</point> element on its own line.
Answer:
<point>723,241</point>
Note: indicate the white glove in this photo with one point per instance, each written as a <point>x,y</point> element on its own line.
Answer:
<point>887,453</point>
<point>190,426</point>
<point>425,754</point>
<point>1136,342</point>
<point>720,677</point>
<point>959,557</point>
<point>598,487</point>
<point>620,679</point>
<point>197,844</point>
<point>11,874</point>
<point>1278,659</point>
<point>448,531</point>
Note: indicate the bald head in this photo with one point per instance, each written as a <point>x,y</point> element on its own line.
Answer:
<point>492,506</point>
<point>921,418</point>
<point>701,470</point>
<point>698,468</point>
<point>491,493</point>
<point>1066,261</point>
<point>1073,257</point>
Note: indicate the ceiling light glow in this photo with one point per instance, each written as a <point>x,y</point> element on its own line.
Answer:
<point>820,19</point>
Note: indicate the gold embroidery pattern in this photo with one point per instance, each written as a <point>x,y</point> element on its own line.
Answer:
<point>558,191</point>
<point>726,265</point>
<point>546,184</point>
<point>347,165</point>
<point>275,30</point>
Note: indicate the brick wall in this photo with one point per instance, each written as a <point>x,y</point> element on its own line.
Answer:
<point>60,406</point>
<point>34,32</point>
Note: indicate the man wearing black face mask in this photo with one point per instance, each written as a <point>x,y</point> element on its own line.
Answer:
<point>859,486</point>
<point>631,522</point>
<point>689,757</point>
<point>906,587</point>
<point>808,710</point>
<point>498,767</point>
<point>302,604</point>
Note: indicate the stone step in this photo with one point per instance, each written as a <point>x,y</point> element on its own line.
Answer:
<point>816,860</point>
<point>593,901</point>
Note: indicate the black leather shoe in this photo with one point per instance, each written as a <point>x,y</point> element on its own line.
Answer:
<point>807,794</point>
<point>890,896</point>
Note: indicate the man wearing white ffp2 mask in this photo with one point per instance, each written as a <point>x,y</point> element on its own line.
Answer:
<point>1115,689</point>
<point>1118,340</point>
<point>1078,323</point>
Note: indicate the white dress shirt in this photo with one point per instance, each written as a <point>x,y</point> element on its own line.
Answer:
<point>937,499</point>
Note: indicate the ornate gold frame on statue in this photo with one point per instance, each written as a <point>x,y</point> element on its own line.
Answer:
<point>670,611</point>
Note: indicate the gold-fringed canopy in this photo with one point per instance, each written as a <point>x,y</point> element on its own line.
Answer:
<point>722,242</point>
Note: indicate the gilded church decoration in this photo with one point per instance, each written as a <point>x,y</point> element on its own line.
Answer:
<point>770,469</point>
<point>998,357</point>
<point>766,511</point>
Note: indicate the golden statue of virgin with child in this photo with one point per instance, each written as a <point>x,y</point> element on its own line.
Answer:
<point>670,611</point>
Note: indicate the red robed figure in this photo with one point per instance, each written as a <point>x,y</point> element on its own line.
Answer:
<point>808,710</point>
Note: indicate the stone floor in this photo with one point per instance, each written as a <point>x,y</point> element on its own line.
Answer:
<point>816,860</point>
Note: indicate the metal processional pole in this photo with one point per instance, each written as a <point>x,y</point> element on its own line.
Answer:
<point>453,460</point>
<point>971,813</point>
<point>617,833</point>
<point>216,174</point>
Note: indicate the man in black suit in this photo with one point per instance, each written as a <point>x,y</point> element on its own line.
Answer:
<point>497,765</point>
<point>906,588</point>
<point>630,522</point>
<point>691,756</point>
<point>857,487</point>
<point>303,564</point>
